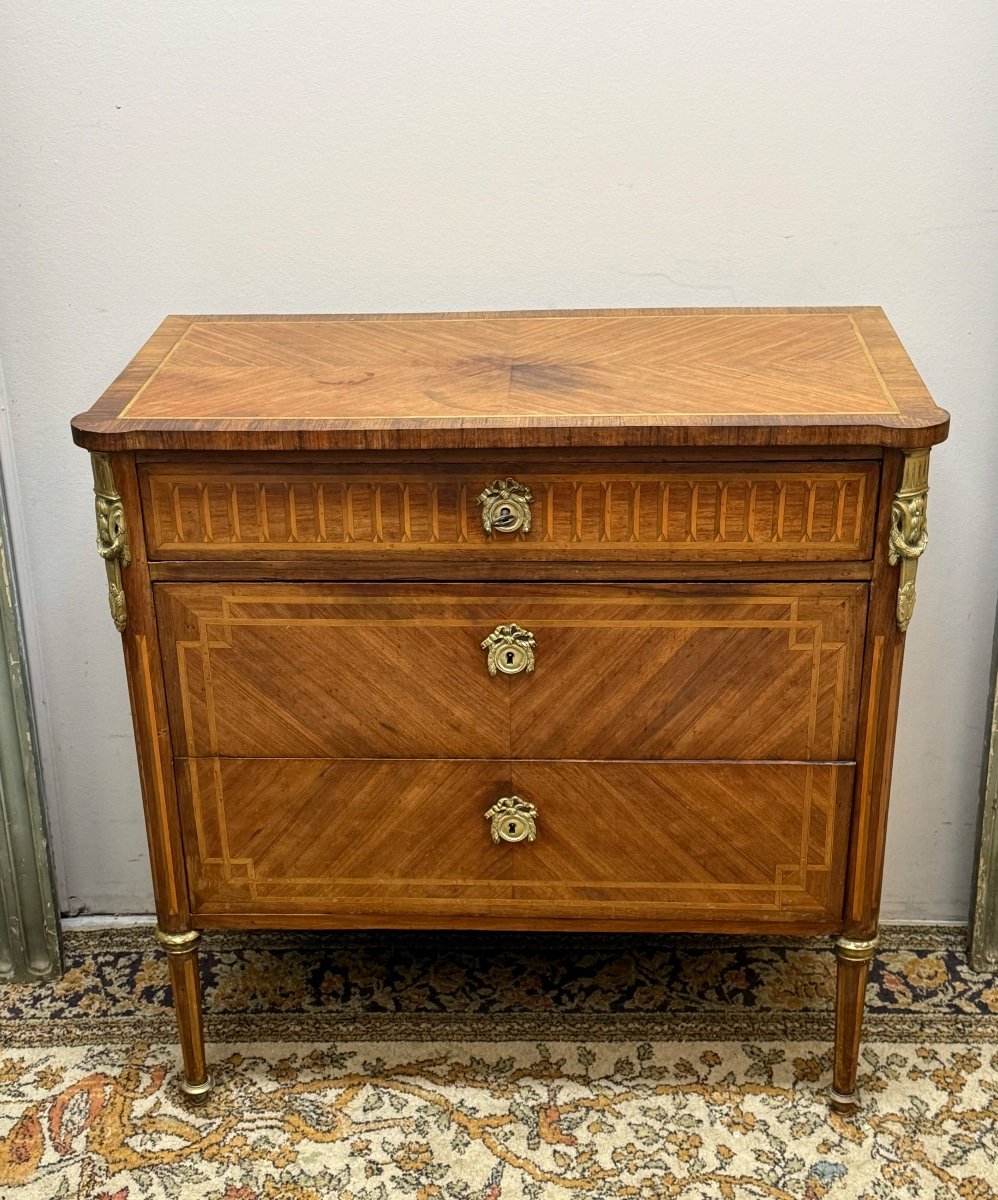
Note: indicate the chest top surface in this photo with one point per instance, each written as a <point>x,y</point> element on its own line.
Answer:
<point>711,377</point>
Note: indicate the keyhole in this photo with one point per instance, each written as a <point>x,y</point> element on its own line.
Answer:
<point>510,656</point>
<point>512,827</point>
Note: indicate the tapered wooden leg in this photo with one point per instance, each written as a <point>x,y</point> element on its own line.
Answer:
<point>185,976</point>
<point>850,996</point>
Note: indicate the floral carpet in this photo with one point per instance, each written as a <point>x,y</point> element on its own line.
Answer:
<point>498,1067</point>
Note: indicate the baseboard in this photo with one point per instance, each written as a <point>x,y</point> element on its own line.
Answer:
<point>107,920</point>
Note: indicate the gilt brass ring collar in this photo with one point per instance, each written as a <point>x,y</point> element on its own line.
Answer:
<point>178,943</point>
<point>856,951</point>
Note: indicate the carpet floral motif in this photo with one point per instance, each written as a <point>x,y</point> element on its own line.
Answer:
<point>403,1107</point>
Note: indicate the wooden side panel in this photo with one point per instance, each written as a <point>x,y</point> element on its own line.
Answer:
<point>725,837</point>
<point>275,834</point>
<point>878,714</point>
<point>298,670</point>
<point>144,669</point>
<point>712,513</point>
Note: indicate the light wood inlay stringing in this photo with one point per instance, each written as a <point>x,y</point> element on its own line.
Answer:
<point>658,673</point>
<point>665,810</point>
<point>451,368</point>
<point>705,731</point>
<point>822,512</point>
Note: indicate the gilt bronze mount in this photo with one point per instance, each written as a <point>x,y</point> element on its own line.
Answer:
<point>112,536</point>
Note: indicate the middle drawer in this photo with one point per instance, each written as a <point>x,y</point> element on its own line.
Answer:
<point>728,671</point>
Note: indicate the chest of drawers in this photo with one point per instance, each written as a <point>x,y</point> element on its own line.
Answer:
<point>517,621</point>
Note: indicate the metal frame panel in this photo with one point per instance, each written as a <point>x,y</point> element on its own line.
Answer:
<point>29,926</point>
<point>984,903</point>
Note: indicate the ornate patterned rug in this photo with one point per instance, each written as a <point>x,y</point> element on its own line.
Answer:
<point>499,1067</point>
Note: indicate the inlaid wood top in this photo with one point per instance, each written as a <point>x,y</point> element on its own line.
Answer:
<point>613,377</point>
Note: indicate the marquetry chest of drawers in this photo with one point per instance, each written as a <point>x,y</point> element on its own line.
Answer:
<point>561,620</point>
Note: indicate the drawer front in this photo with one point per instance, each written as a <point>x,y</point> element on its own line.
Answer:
<point>697,512</point>
<point>691,842</point>
<point>316,833</point>
<point>390,671</point>
<point>686,836</point>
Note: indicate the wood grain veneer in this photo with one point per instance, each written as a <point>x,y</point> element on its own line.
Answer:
<point>761,671</point>
<point>425,381</point>
<point>638,839</point>
<point>707,735</point>
<point>736,511</point>
<point>694,837</point>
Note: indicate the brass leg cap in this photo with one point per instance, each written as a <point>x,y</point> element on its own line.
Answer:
<point>843,1104</point>
<point>197,1093</point>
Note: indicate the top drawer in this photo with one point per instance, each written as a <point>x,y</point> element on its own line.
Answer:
<point>754,512</point>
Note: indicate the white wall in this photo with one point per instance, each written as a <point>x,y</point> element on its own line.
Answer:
<point>290,156</point>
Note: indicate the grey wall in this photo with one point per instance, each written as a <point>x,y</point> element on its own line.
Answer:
<point>290,156</point>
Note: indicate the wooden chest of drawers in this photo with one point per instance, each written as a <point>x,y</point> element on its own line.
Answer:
<point>521,621</point>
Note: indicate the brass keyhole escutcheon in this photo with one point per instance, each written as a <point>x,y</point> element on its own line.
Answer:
<point>510,650</point>
<point>513,661</point>
<point>505,507</point>
<point>505,520</point>
<point>513,820</point>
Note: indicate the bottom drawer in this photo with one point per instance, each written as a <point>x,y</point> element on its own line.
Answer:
<point>407,842</point>
<point>708,839</point>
